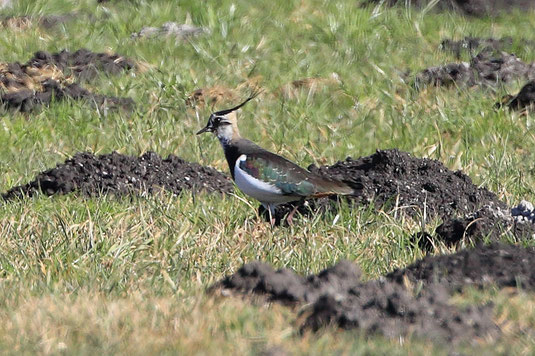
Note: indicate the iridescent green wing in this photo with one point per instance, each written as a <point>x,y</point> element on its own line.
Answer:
<point>278,171</point>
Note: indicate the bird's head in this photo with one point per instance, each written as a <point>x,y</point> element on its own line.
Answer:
<point>224,123</point>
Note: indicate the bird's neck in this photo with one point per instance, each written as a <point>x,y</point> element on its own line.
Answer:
<point>228,135</point>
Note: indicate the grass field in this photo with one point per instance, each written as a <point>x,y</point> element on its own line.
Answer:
<point>124,275</point>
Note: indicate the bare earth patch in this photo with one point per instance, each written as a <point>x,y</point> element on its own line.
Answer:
<point>391,306</point>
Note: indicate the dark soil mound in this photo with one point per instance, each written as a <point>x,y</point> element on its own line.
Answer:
<point>397,179</point>
<point>286,286</point>
<point>47,77</point>
<point>499,264</point>
<point>338,295</point>
<point>389,309</point>
<point>488,68</point>
<point>524,100</point>
<point>83,64</point>
<point>479,8</point>
<point>121,174</point>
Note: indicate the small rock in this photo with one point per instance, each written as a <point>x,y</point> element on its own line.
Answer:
<point>180,31</point>
<point>524,212</point>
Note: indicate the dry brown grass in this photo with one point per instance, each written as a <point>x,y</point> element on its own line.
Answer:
<point>309,86</point>
<point>17,22</point>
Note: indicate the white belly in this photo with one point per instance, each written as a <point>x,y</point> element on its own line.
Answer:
<point>261,191</point>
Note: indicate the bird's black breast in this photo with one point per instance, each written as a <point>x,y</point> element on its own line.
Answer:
<point>234,149</point>
<point>231,154</point>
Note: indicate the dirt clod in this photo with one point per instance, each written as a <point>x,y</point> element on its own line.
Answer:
<point>389,305</point>
<point>121,174</point>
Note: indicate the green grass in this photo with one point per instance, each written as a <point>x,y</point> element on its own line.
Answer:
<point>127,275</point>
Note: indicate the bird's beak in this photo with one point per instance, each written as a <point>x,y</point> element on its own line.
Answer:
<point>208,128</point>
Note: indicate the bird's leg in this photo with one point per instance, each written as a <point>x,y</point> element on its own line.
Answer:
<point>271,211</point>
<point>289,218</point>
<point>272,219</point>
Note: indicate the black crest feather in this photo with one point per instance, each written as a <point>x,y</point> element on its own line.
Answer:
<point>253,95</point>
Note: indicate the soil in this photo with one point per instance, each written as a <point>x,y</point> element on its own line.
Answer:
<point>477,8</point>
<point>47,77</point>
<point>396,179</point>
<point>390,305</point>
<point>121,174</point>
<point>489,68</point>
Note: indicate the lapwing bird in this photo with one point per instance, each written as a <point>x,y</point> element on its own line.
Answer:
<point>263,175</point>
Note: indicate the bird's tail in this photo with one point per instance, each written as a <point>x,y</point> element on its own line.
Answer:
<point>333,187</point>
